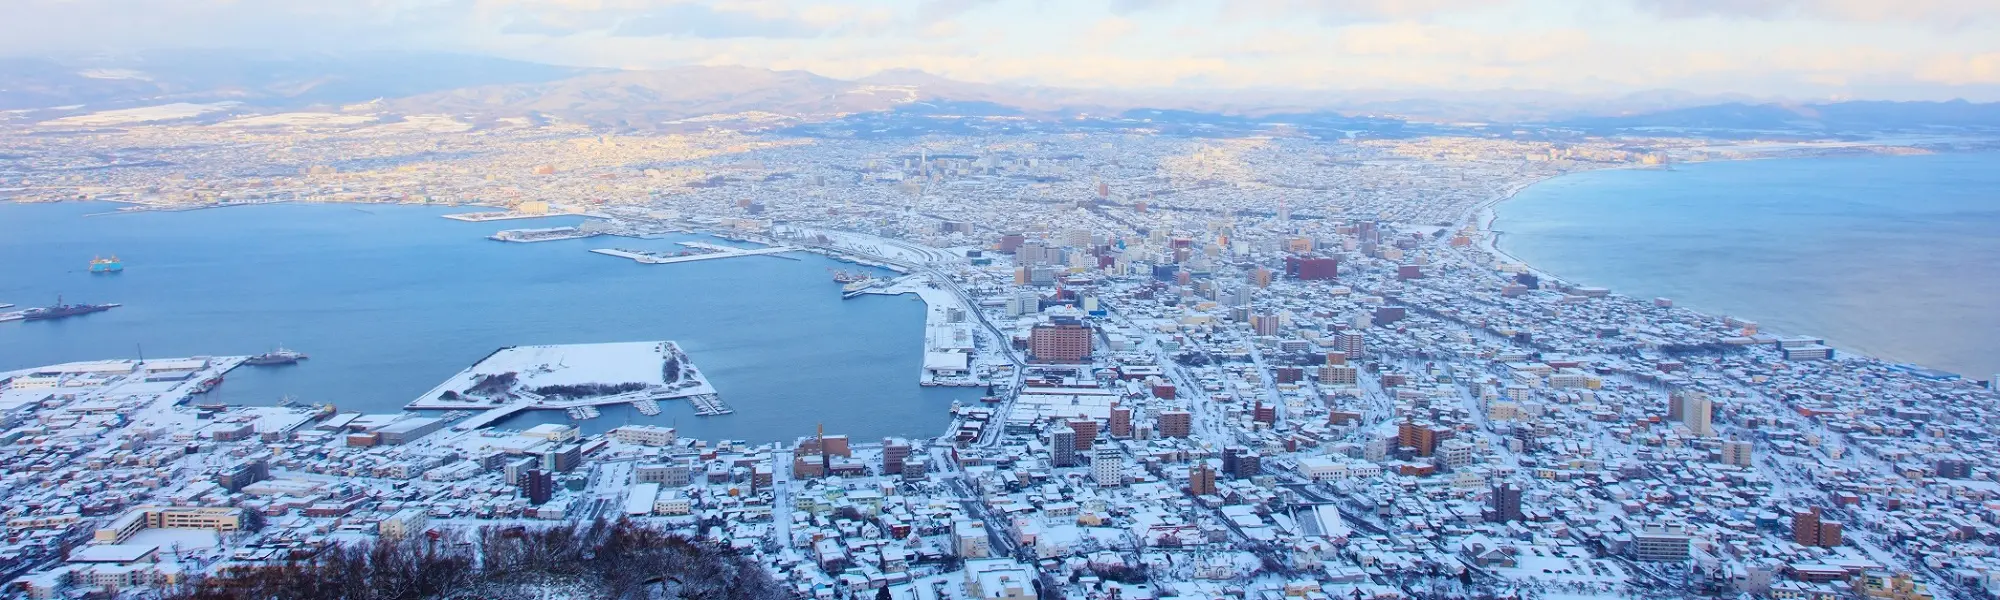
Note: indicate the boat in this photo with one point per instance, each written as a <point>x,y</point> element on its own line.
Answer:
<point>63,311</point>
<point>280,356</point>
<point>107,265</point>
<point>857,286</point>
<point>845,277</point>
<point>207,385</point>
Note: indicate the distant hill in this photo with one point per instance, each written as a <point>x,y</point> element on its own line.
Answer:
<point>723,96</point>
<point>1849,117</point>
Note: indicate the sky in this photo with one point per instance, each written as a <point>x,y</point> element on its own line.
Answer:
<point>1797,49</point>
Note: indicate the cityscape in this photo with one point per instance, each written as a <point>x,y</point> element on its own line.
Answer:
<point>1196,357</point>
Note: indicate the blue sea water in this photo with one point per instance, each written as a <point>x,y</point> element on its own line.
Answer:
<point>1896,257</point>
<point>391,300</point>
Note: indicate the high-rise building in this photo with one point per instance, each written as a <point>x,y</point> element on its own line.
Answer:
<point>1176,423</point>
<point>1086,433</point>
<point>1697,412</point>
<point>1121,422</point>
<point>1201,479</point>
<point>1107,466</point>
<point>1506,504</point>
<point>1241,463</point>
<point>1064,341</point>
<point>1737,453</point>
<point>539,486</point>
<point>1264,324</point>
<point>1421,438</point>
<point>1062,447</point>
<point>1349,343</point>
<point>1809,530</point>
<point>894,452</point>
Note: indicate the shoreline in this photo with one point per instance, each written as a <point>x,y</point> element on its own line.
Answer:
<point>1485,214</point>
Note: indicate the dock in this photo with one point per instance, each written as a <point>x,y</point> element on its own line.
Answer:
<point>481,217</point>
<point>707,252</point>
<point>709,405</point>
<point>512,380</point>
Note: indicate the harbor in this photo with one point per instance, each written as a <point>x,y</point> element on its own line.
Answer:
<point>696,251</point>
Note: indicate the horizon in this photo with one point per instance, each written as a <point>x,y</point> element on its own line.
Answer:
<point>1783,50</point>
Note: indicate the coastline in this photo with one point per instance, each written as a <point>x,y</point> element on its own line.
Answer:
<point>1485,215</point>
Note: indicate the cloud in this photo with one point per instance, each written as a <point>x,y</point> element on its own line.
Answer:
<point>1943,13</point>
<point>694,20</point>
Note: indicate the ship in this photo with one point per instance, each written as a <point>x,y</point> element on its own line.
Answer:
<point>107,265</point>
<point>844,277</point>
<point>280,356</point>
<point>63,311</point>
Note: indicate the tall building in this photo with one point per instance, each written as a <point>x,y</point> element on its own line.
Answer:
<point>1107,466</point>
<point>539,486</point>
<point>1062,447</point>
<point>1063,341</point>
<point>1201,479</point>
<point>1506,504</point>
<point>1241,463</point>
<point>894,452</point>
<point>1421,438</point>
<point>1697,412</point>
<point>1086,433</point>
<point>1121,422</point>
<point>1264,324</point>
<point>1736,453</point>
<point>1954,467</point>
<point>1809,530</point>
<point>1348,343</point>
<point>1176,423</point>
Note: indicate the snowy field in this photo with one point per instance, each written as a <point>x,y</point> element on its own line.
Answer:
<point>130,116</point>
<point>576,364</point>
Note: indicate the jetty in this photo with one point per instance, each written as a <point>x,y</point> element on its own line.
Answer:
<point>698,251</point>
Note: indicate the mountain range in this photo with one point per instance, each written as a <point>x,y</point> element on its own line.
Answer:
<point>486,88</point>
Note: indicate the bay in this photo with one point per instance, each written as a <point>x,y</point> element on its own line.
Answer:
<point>389,301</point>
<point>1892,256</point>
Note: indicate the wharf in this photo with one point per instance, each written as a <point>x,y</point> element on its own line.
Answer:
<point>711,252</point>
<point>515,379</point>
<point>709,405</point>
<point>551,234</point>
<point>948,335</point>
<point>481,217</point>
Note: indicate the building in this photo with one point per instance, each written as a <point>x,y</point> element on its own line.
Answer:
<point>1808,529</point>
<point>1107,466</point>
<point>207,518</point>
<point>1086,433</point>
<point>1421,438</point>
<point>1505,506</point>
<point>243,474</point>
<point>1121,422</point>
<point>410,429</point>
<point>969,538</point>
<point>1952,468</point>
<point>1064,341</point>
<point>1201,479</point>
<point>643,435</point>
<point>403,524</point>
<point>1737,453</point>
<point>667,475</point>
<point>1311,268</point>
<point>539,486</point>
<point>894,453</point>
<point>1062,447</point>
<point>1176,423</point>
<point>999,579</point>
<point>1348,343</point>
<point>1697,412</point>
<point>1656,543</point>
<point>1241,463</point>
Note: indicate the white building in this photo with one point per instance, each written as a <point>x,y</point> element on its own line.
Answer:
<point>1107,466</point>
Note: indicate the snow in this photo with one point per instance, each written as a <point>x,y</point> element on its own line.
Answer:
<point>132,116</point>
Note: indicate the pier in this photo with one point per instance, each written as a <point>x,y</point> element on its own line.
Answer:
<point>512,380</point>
<point>709,405</point>
<point>708,252</point>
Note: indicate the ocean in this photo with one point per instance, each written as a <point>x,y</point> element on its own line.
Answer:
<point>1890,256</point>
<point>389,301</point>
